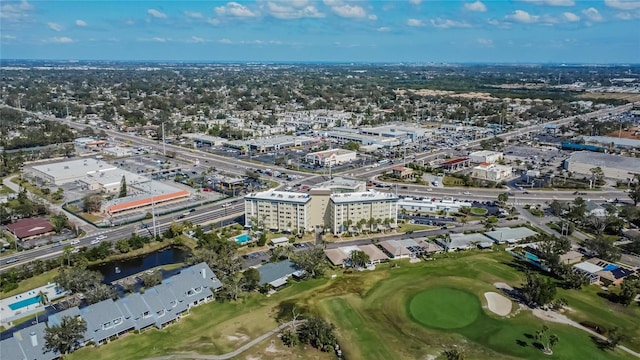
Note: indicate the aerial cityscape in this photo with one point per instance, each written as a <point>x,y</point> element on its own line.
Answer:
<point>300,179</point>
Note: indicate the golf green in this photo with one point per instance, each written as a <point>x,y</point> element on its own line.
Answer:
<point>444,308</point>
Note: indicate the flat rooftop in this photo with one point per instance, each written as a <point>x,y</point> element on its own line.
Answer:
<point>605,160</point>
<point>74,168</point>
<point>281,196</point>
<point>331,152</point>
<point>339,182</point>
<point>362,197</point>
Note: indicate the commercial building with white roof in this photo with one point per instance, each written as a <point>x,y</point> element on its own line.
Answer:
<point>69,171</point>
<point>486,156</point>
<point>613,166</point>
<point>331,157</point>
<point>97,175</point>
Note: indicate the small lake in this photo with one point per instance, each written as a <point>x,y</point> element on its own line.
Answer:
<point>116,270</point>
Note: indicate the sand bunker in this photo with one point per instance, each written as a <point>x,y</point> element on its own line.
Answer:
<point>238,337</point>
<point>498,304</point>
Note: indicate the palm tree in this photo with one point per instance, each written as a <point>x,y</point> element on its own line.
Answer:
<point>371,221</point>
<point>67,251</point>
<point>464,220</point>
<point>360,224</point>
<point>44,300</point>
<point>387,223</point>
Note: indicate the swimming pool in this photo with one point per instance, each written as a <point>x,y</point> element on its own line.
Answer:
<point>24,303</point>
<point>241,239</point>
<point>530,256</point>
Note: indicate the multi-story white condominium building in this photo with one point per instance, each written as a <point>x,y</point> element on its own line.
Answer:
<point>353,211</point>
<point>278,210</point>
<point>289,211</point>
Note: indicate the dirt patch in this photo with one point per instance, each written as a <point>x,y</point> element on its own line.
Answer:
<point>237,337</point>
<point>633,133</point>
<point>272,348</point>
<point>251,357</point>
<point>498,304</point>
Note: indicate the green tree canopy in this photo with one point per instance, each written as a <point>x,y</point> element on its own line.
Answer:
<point>66,336</point>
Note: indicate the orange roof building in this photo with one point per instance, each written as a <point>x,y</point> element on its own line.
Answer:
<point>136,203</point>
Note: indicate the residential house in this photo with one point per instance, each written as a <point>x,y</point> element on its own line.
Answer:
<point>277,274</point>
<point>109,319</point>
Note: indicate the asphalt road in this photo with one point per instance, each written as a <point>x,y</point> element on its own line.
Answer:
<point>239,167</point>
<point>211,214</point>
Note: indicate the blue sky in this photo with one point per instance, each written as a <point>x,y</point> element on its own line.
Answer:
<point>524,31</point>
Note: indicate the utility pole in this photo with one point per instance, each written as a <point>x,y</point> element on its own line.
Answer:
<point>164,144</point>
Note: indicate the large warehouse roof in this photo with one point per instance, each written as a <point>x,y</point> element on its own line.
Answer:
<point>74,169</point>
<point>605,160</point>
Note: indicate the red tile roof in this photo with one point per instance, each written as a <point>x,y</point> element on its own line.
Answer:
<point>454,161</point>
<point>25,228</point>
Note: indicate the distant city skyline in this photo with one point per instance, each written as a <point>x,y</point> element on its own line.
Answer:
<point>516,31</point>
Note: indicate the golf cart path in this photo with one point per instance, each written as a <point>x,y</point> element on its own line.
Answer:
<point>550,315</point>
<point>229,355</point>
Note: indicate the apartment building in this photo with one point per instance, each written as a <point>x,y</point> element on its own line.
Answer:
<point>278,210</point>
<point>348,209</point>
<point>288,211</point>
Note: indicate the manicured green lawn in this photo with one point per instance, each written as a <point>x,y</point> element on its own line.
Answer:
<point>4,190</point>
<point>413,227</point>
<point>386,314</point>
<point>479,211</point>
<point>31,283</point>
<point>444,308</point>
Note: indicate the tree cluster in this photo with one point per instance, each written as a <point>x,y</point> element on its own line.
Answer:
<point>538,290</point>
<point>315,331</point>
<point>87,282</point>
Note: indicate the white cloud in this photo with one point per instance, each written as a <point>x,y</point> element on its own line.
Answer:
<point>193,15</point>
<point>522,17</point>
<point>592,14</point>
<point>8,37</point>
<point>623,4</point>
<point>159,39</point>
<point>54,26</point>
<point>61,40</point>
<point>448,23</point>
<point>349,11</point>
<point>214,22</point>
<point>499,23</point>
<point>225,41</point>
<point>280,11</point>
<point>157,14</point>
<point>477,6</point>
<point>485,42</point>
<point>15,11</point>
<point>552,2</point>
<point>196,40</point>
<point>81,23</point>
<point>415,22</point>
<point>384,28</point>
<point>415,2</point>
<point>234,9</point>
<point>571,17</point>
